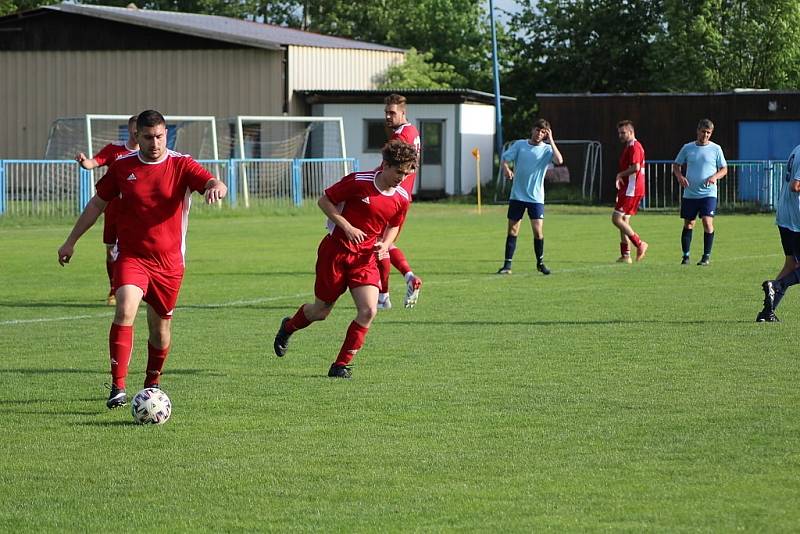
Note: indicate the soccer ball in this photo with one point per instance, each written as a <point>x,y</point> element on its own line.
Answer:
<point>151,406</point>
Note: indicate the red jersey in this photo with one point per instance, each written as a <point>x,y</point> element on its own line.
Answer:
<point>366,207</point>
<point>112,152</point>
<point>632,153</point>
<point>154,201</point>
<point>408,133</point>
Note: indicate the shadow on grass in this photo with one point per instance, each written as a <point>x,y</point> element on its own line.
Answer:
<point>61,304</point>
<point>104,371</point>
<point>108,423</point>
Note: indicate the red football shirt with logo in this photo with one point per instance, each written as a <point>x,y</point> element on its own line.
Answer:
<point>154,202</point>
<point>107,155</point>
<point>408,133</point>
<point>366,207</point>
<point>633,184</point>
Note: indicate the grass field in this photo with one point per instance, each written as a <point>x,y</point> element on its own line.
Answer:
<point>603,397</point>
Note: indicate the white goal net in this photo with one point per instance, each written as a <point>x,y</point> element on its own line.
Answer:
<point>193,135</point>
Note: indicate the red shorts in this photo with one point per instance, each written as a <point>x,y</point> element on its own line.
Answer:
<point>339,269</point>
<point>160,286</point>
<point>627,205</point>
<point>110,223</point>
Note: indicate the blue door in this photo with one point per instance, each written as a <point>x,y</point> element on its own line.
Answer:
<point>760,141</point>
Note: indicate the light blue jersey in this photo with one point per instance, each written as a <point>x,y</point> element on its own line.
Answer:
<point>701,162</point>
<point>788,214</point>
<point>530,165</point>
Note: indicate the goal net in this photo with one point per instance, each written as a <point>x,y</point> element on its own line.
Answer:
<point>285,158</point>
<point>193,135</point>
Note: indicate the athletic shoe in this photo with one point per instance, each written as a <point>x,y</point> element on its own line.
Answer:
<point>625,259</point>
<point>542,268</point>
<point>116,398</point>
<point>504,270</point>
<point>340,371</point>
<point>685,260</point>
<point>385,304</point>
<point>767,316</point>
<point>281,339</point>
<point>412,291</point>
<point>111,300</point>
<point>705,261</point>
<point>641,250</point>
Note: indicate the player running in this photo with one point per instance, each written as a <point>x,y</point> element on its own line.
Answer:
<point>365,211</point>
<point>154,187</point>
<point>630,191</point>
<point>108,154</point>
<point>705,164</point>
<point>788,220</point>
<point>396,123</point>
<point>531,158</point>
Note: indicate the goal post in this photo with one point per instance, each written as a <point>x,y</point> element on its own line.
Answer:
<point>282,139</point>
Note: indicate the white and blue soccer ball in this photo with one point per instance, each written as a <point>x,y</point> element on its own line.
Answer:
<point>151,406</point>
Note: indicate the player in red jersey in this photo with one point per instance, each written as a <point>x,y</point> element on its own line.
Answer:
<point>108,154</point>
<point>630,191</point>
<point>399,128</point>
<point>365,211</point>
<point>154,187</point>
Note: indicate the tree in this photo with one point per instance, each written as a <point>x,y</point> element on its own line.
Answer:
<point>419,72</point>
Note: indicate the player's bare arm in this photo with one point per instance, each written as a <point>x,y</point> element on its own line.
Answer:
<point>507,172</point>
<point>676,170</point>
<point>558,159</point>
<point>717,176</point>
<point>387,240</point>
<point>633,169</point>
<point>86,163</point>
<point>87,218</point>
<point>215,191</point>
<point>329,209</point>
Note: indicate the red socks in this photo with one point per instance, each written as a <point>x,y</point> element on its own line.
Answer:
<point>384,268</point>
<point>635,240</point>
<point>297,322</point>
<point>120,346</point>
<point>399,261</point>
<point>155,363</point>
<point>624,248</point>
<point>353,341</point>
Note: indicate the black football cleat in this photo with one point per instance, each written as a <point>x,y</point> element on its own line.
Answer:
<point>281,339</point>
<point>117,398</point>
<point>340,371</point>
<point>542,268</point>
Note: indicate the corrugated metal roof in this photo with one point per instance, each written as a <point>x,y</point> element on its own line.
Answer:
<point>225,29</point>
<point>419,95</point>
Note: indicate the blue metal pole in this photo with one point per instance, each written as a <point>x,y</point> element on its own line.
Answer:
<point>2,187</point>
<point>498,113</point>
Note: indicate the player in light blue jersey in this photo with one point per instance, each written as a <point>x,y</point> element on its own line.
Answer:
<point>705,164</point>
<point>788,221</point>
<point>530,158</point>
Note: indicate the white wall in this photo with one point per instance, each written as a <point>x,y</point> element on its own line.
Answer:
<point>477,131</point>
<point>475,123</point>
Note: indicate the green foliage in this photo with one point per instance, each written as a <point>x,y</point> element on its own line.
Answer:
<point>605,397</point>
<point>419,72</point>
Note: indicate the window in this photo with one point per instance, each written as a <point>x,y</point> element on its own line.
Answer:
<point>374,135</point>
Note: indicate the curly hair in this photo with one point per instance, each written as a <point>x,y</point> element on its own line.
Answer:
<point>396,153</point>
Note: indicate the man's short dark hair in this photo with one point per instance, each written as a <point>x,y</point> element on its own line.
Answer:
<point>149,118</point>
<point>133,119</point>
<point>541,124</point>
<point>399,154</point>
<point>395,99</point>
<point>625,122</point>
<point>705,123</point>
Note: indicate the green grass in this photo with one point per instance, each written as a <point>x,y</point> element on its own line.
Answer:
<point>603,397</point>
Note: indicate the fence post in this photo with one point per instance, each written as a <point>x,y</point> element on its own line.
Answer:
<point>2,187</point>
<point>297,183</point>
<point>232,184</point>
<point>84,188</point>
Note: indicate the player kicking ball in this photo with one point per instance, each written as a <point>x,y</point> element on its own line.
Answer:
<point>365,211</point>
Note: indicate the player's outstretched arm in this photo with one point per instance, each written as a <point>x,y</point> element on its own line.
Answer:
<point>86,163</point>
<point>329,209</point>
<point>85,221</point>
<point>215,191</point>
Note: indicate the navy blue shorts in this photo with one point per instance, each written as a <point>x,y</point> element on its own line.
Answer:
<point>516,209</point>
<point>791,243</point>
<point>691,207</point>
